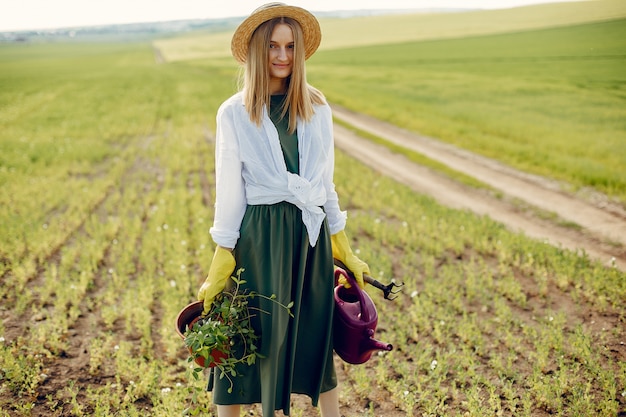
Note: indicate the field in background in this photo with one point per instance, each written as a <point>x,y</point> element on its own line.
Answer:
<point>375,30</point>
<point>534,99</point>
<point>106,162</point>
<point>551,101</point>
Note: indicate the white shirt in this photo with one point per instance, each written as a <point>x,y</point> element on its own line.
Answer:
<point>250,170</point>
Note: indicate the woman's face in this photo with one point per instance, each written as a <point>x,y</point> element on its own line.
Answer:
<point>280,57</point>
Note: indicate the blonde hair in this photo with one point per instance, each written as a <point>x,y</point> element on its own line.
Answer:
<point>301,97</point>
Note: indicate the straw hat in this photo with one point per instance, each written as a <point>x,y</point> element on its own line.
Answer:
<point>308,22</point>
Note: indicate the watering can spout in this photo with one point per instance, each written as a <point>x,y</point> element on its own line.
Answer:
<point>370,345</point>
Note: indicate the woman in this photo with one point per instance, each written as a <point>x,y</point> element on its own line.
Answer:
<point>277,214</point>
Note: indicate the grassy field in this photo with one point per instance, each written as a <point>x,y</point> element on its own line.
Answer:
<point>535,99</point>
<point>106,162</point>
<point>551,101</point>
<point>372,30</point>
<point>375,30</point>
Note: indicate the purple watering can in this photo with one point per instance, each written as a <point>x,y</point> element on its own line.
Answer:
<point>355,322</point>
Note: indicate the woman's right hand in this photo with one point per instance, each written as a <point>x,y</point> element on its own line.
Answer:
<point>221,269</point>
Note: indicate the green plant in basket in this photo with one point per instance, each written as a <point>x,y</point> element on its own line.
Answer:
<point>224,337</point>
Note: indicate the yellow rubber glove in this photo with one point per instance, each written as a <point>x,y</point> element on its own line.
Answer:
<point>342,252</point>
<point>221,269</point>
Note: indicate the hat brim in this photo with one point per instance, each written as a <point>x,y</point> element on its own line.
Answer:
<point>309,24</point>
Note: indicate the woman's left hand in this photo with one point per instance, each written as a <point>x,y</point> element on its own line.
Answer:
<point>343,252</point>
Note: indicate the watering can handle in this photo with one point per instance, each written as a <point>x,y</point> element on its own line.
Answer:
<point>349,273</point>
<point>386,289</point>
<point>354,289</point>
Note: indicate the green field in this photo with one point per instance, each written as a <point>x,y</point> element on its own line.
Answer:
<point>338,33</point>
<point>106,169</point>
<point>541,88</point>
<point>551,101</point>
<point>372,30</point>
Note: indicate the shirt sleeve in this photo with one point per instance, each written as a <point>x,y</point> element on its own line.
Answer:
<point>336,217</point>
<point>230,195</point>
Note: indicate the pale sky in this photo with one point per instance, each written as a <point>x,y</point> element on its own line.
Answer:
<point>44,14</point>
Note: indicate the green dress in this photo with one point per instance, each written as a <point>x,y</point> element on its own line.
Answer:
<point>277,258</point>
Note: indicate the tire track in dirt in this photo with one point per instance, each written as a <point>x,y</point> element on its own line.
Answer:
<point>600,226</point>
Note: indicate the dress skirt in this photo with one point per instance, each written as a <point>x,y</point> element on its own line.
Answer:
<point>277,259</point>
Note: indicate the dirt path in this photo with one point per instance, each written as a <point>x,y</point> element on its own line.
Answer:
<point>602,232</point>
